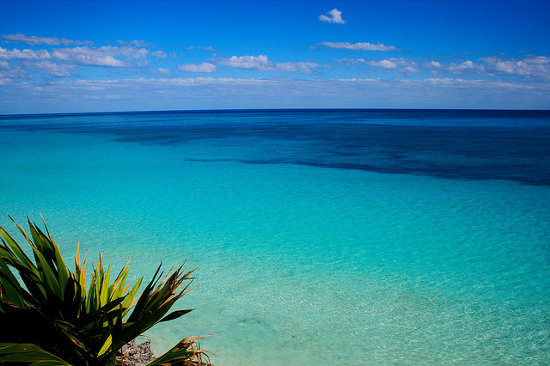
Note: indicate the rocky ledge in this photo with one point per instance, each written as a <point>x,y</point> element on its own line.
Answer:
<point>137,354</point>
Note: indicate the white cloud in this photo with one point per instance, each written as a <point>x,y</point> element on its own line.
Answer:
<point>103,56</point>
<point>62,61</point>
<point>261,62</point>
<point>136,43</point>
<point>351,61</point>
<point>88,56</point>
<point>50,41</point>
<point>209,48</point>
<point>409,70</point>
<point>530,66</point>
<point>387,64</point>
<point>489,68</point>
<point>334,16</point>
<point>208,92</point>
<point>54,69</point>
<point>433,64</point>
<point>400,65</point>
<point>10,72</point>
<point>466,65</point>
<point>303,67</point>
<point>25,54</point>
<point>205,67</point>
<point>359,46</point>
<point>509,67</point>
<point>249,62</point>
<point>159,54</point>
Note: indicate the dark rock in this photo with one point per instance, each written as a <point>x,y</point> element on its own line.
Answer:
<point>137,354</point>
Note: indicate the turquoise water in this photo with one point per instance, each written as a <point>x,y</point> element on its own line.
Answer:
<point>319,237</point>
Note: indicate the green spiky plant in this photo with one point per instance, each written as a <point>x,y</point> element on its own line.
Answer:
<point>49,316</point>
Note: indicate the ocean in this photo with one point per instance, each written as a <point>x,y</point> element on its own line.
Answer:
<point>319,237</point>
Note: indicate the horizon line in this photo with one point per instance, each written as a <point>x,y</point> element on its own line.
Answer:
<point>226,110</point>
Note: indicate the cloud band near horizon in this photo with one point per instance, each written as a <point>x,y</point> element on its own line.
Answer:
<point>53,65</point>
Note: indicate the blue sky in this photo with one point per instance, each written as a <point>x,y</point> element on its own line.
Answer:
<point>83,56</point>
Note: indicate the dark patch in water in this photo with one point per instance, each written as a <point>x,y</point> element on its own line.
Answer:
<point>209,160</point>
<point>516,147</point>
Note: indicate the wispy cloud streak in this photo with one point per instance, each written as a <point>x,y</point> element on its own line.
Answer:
<point>359,46</point>
<point>50,41</point>
<point>205,67</point>
<point>261,62</point>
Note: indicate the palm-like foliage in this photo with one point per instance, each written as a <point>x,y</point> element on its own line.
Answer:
<point>53,314</point>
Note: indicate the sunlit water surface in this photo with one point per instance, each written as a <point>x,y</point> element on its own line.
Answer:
<point>319,237</point>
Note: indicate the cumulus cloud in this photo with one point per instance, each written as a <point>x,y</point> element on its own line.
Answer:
<point>54,69</point>
<point>88,56</point>
<point>62,62</point>
<point>489,68</point>
<point>387,64</point>
<point>303,67</point>
<point>466,65</point>
<point>433,64</point>
<point>333,16</point>
<point>531,66</point>
<point>249,62</point>
<point>399,65</point>
<point>103,56</point>
<point>92,56</point>
<point>359,46</point>
<point>50,41</point>
<point>205,67</point>
<point>25,54</point>
<point>261,62</point>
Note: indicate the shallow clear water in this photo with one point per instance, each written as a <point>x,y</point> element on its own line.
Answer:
<point>354,237</point>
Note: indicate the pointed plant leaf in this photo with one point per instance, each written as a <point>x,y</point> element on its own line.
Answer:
<point>27,353</point>
<point>16,248</point>
<point>106,345</point>
<point>181,352</point>
<point>10,285</point>
<point>175,314</point>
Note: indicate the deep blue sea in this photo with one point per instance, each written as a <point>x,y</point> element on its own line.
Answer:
<point>319,236</point>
